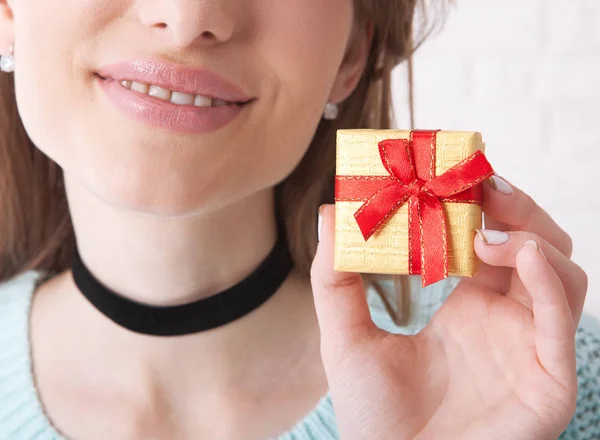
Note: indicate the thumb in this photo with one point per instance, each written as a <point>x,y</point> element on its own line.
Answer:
<point>340,299</point>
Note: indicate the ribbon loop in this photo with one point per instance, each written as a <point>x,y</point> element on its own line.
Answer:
<point>397,158</point>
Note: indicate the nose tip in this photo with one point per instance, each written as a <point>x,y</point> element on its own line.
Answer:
<point>188,23</point>
<point>181,40</point>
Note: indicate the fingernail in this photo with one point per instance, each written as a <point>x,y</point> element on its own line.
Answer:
<point>489,236</point>
<point>500,185</point>
<point>533,244</point>
<point>320,222</point>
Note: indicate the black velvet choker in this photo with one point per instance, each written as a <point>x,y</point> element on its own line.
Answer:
<point>204,314</point>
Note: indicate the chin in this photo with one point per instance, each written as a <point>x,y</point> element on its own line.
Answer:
<point>162,204</point>
<point>170,209</point>
<point>140,194</point>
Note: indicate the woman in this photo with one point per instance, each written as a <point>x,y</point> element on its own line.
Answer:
<point>185,145</point>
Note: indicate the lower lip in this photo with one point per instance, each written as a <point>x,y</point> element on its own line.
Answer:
<point>162,114</point>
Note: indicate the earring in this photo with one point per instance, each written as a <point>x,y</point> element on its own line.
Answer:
<point>7,62</point>
<point>331,111</point>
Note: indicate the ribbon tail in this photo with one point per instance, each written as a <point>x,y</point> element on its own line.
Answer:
<point>434,240</point>
<point>379,207</point>
<point>414,236</point>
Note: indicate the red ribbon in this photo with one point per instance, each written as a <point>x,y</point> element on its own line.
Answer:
<point>412,179</point>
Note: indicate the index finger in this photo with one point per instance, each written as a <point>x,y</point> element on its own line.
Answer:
<point>506,204</point>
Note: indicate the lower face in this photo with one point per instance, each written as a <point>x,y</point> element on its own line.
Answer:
<point>148,154</point>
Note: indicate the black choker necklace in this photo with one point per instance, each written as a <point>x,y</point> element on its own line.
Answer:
<point>201,315</point>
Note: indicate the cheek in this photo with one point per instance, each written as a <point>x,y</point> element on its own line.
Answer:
<point>307,47</point>
<point>303,50</point>
<point>52,94</point>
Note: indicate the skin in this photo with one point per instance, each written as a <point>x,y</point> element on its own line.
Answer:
<point>155,214</point>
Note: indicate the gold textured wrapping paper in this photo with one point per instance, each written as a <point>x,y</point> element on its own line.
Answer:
<point>387,250</point>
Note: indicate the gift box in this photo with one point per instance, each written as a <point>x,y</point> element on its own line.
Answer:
<point>408,202</point>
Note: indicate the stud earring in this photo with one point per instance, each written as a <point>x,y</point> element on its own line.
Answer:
<point>331,111</point>
<point>7,62</point>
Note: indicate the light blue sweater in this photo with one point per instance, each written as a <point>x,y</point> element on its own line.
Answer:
<point>22,416</point>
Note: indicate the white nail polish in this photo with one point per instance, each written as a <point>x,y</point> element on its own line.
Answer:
<point>319,225</point>
<point>501,185</point>
<point>489,236</point>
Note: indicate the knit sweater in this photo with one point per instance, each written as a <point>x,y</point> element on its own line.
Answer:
<point>22,416</point>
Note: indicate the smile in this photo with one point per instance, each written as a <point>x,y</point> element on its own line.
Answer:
<point>171,110</point>
<point>174,97</point>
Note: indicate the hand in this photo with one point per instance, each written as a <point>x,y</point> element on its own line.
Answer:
<point>497,361</point>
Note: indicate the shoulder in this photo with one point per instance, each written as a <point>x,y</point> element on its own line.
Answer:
<point>586,421</point>
<point>15,297</point>
<point>19,411</point>
<point>11,288</point>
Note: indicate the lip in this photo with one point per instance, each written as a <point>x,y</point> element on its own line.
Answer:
<point>187,79</point>
<point>155,112</point>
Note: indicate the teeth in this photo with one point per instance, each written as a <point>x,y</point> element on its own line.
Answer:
<point>182,98</point>
<point>159,92</point>
<point>202,101</point>
<point>178,98</point>
<point>139,87</point>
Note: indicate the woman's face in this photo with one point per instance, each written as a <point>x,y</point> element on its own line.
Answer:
<point>146,154</point>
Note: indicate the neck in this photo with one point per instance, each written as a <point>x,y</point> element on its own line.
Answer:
<point>169,261</point>
<point>172,260</point>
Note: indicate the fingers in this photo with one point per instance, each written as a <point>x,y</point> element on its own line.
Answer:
<point>504,203</point>
<point>554,327</point>
<point>499,248</point>
<point>340,298</point>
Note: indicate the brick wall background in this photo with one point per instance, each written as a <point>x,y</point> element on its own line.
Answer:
<point>526,74</point>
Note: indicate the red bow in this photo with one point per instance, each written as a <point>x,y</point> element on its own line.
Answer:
<point>411,165</point>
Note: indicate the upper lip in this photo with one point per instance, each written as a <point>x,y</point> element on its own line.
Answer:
<point>192,80</point>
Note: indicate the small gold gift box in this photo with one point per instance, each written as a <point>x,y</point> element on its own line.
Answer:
<point>408,202</point>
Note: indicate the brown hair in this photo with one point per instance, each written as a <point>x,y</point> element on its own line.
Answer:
<point>35,224</point>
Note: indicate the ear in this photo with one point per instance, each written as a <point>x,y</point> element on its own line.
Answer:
<point>354,62</point>
<point>6,26</point>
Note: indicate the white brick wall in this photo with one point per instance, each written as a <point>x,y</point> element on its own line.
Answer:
<point>526,74</point>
